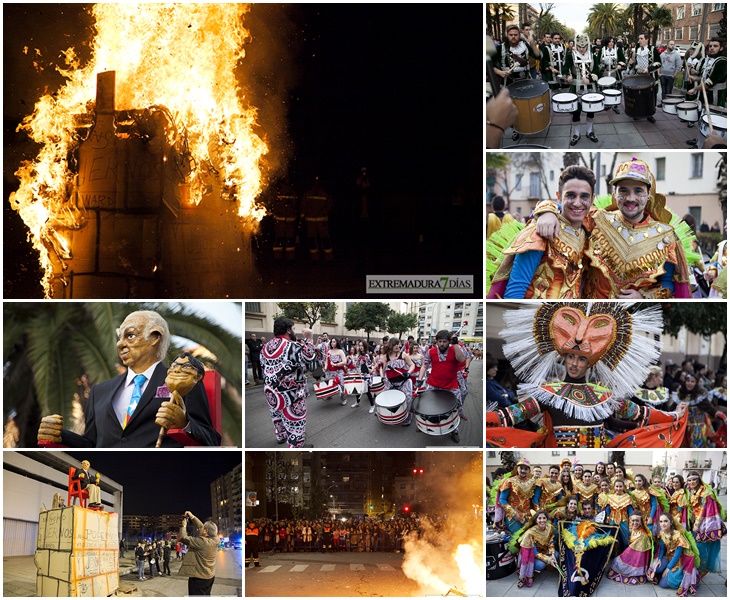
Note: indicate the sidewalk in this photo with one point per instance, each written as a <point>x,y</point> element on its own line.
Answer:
<point>614,131</point>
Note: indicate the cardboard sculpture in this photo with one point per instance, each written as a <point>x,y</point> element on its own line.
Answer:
<point>77,553</point>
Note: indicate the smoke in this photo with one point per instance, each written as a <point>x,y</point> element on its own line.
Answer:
<point>448,553</point>
<point>268,74</point>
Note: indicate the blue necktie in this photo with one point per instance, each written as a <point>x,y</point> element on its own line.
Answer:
<point>136,395</point>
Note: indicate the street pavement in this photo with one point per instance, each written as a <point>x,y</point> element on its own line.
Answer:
<point>331,425</point>
<point>19,576</point>
<point>613,131</point>
<point>331,574</point>
<point>547,582</point>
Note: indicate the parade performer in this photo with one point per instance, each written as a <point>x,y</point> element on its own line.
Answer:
<point>602,499</point>
<point>635,245</point>
<point>582,70</point>
<point>365,368</point>
<point>652,393</point>
<point>284,362</point>
<point>498,216</point>
<point>553,61</point>
<point>630,566</point>
<point>706,521</point>
<point>530,266</point>
<point>396,367</point>
<point>461,376</point>
<point>716,274</point>
<point>700,410</point>
<point>536,542</point>
<point>548,491</point>
<point>567,510</point>
<point>675,558</point>
<point>335,367</point>
<point>648,501</point>
<point>678,500</point>
<point>692,60</point>
<point>646,59</point>
<point>713,73</point>
<point>515,496</point>
<point>496,394</point>
<point>513,62</point>
<point>552,347</point>
<point>618,511</point>
<point>586,489</point>
<point>612,59</point>
<point>444,360</point>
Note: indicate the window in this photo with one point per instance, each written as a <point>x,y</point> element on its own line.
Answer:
<point>552,175</point>
<point>693,32</point>
<point>518,181</point>
<point>555,453</point>
<point>253,307</point>
<point>696,9</point>
<point>667,34</point>
<point>696,212</point>
<point>491,454</point>
<point>534,185</point>
<point>696,168</point>
<point>305,477</point>
<point>714,30</point>
<point>718,6</point>
<point>571,453</point>
<point>678,34</point>
<point>660,167</point>
<point>680,12</point>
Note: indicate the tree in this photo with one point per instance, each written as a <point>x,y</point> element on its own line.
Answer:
<point>602,19</point>
<point>399,323</point>
<point>367,316</point>
<point>656,18</point>
<point>700,319</point>
<point>54,352</point>
<point>308,312</point>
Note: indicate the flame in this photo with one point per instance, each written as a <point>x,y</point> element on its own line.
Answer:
<point>179,56</point>
<point>470,570</point>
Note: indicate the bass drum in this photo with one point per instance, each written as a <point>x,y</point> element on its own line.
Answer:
<point>500,562</point>
<point>391,407</point>
<point>437,412</point>
<point>639,96</point>
<point>531,97</point>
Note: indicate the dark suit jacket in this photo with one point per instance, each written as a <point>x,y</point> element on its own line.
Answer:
<point>104,431</point>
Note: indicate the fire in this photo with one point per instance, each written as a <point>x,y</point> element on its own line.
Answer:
<point>180,59</point>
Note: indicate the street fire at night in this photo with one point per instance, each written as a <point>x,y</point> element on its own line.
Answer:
<point>153,124</point>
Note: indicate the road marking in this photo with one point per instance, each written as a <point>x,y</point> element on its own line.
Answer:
<point>327,568</point>
<point>385,567</point>
<point>356,567</point>
<point>298,568</point>
<point>270,569</point>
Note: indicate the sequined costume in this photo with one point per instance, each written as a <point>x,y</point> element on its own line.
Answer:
<point>706,518</point>
<point>284,364</point>
<point>630,566</point>
<point>546,492</point>
<point>586,492</point>
<point>537,548</point>
<point>618,511</point>
<point>674,563</point>
<point>515,498</point>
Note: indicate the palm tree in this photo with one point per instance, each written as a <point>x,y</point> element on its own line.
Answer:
<point>602,18</point>
<point>53,352</point>
<point>656,18</point>
<point>497,16</point>
<point>547,23</point>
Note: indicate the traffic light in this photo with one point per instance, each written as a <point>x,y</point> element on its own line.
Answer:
<point>417,471</point>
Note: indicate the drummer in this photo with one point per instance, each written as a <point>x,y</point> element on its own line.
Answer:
<point>396,367</point>
<point>445,360</point>
<point>693,59</point>
<point>582,69</point>
<point>646,59</point>
<point>612,61</point>
<point>553,61</point>
<point>713,71</point>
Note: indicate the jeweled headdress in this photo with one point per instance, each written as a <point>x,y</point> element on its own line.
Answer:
<point>637,170</point>
<point>618,344</point>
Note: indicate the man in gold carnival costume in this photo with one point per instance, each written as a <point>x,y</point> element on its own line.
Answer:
<point>634,249</point>
<point>515,496</point>
<point>558,349</point>
<point>532,267</point>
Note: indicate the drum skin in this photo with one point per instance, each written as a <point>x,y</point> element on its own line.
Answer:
<point>564,103</point>
<point>669,105</point>
<point>606,82</point>
<point>639,96</point>
<point>391,407</point>
<point>719,125</point>
<point>592,103</point>
<point>531,97</point>
<point>437,412</point>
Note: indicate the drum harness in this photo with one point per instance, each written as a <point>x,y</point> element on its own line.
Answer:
<point>518,65</point>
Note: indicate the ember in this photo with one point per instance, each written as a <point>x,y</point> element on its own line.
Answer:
<point>172,130</point>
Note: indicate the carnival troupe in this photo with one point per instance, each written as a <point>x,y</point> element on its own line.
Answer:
<point>585,521</point>
<point>552,76</point>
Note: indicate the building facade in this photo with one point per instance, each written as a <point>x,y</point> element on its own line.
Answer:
<point>226,500</point>
<point>434,316</point>
<point>693,21</point>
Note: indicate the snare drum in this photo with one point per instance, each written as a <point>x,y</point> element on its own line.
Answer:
<point>564,103</point>
<point>355,385</point>
<point>437,412</point>
<point>531,98</point>
<point>613,97</point>
<point>669,105</point>
<point>719,125</point>
<point>377,385</point>
<point>391,407</point>
<point>326,389</point>
<point>592,103</point>
<point>606,82</point>
<point>688,112</point>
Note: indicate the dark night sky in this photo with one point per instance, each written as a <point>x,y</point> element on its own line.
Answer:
<point>395,87</point>
<point>162,482</point>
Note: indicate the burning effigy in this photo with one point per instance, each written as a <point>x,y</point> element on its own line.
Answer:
<point>150,163</point>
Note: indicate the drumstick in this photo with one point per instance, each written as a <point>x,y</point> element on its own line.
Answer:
<point>707,106</point>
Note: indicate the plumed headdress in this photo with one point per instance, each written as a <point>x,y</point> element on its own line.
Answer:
<point>618,344</point>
